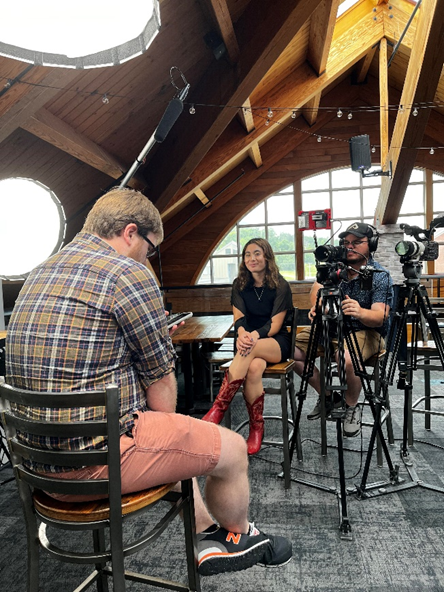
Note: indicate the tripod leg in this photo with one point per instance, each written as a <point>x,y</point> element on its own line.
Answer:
<point>344,524</point>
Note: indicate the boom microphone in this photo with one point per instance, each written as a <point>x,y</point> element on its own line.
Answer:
<point>169,118</point>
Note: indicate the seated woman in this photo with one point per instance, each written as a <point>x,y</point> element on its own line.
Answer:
<point>260,298</point>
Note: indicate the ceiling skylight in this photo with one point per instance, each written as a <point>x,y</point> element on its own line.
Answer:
<point>80,34</point>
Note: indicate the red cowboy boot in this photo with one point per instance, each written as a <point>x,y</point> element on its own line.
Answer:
<point>256,435</point>
<point>223,399</point>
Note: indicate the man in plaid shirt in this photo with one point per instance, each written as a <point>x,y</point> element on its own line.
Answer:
<point>92,315</point>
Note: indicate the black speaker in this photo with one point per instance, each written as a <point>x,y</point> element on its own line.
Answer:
<point>360,155</point>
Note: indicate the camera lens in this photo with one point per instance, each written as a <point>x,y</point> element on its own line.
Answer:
<point>406,248</point>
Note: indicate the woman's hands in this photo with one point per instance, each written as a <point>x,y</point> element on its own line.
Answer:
<point>245,342</point>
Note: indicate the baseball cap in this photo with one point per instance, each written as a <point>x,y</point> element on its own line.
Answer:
<point>359,229</point>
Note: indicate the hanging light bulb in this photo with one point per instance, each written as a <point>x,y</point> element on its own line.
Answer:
<point>415,112</point>
<point>350,115</point>
<point>105,99</point>
<point>373,149</point>
<point>192,110</point>
<point>270,113</point>
<point>267,122</point>
<point>8,83</point>
<point>339,113</point>
<point>319,139</point>
<point>401,109</point>
<point>293,115</point>
<point>432,151</point>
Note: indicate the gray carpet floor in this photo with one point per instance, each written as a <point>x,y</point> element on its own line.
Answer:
<point>397,538</point>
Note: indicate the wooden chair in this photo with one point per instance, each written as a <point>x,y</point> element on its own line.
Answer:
<point>41,510</point>
<point>284,373</point>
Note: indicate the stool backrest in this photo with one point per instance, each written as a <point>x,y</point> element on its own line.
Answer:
<point>16,412</point>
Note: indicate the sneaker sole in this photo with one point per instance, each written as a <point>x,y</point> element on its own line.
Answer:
<point>275,564</point>
<point>215,562</point>
<point>352,435</point>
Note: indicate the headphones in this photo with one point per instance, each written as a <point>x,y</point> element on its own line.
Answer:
<point>372,240</point>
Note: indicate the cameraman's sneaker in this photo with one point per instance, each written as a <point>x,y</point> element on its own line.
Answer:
<point>316,412</point>
<point>222,551</point>
<point>352,422</point>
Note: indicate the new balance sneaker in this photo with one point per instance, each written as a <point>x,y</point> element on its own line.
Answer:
<point>222,551</point>
<point>316,411</point>
<point>352,422</point>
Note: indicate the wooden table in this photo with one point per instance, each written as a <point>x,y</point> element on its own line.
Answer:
<point>197,330</point>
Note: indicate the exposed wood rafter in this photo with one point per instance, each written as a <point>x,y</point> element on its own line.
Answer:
<point>423,72</point>
<point>322,26</point>
<point>46,126</point>
<point>297,89</point>
<point>263,32</point>
<point>383,100</point>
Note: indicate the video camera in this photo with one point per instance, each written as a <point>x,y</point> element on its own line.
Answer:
<point>424,249</point>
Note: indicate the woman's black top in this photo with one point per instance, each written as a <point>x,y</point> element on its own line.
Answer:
<point>259,305</point>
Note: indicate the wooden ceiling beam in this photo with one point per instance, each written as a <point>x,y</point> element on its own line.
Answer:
<point>221,16</point>
<point>364,65</point>
<point>254,153</point>
<point>423,73</point>
<point>311,108</point>
<point>202,197</point>
<point>383,100</point>
<point>263,32</point>
<point>322,25</point>
<point>36,96</point>
<point>283,143</point>
<point>297,89</point>
<point>53,130</point>
<point>246,116</point>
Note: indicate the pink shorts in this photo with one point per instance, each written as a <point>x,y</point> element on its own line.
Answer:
<point>163,448</point>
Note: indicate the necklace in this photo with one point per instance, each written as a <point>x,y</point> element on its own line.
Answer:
<point>259,297</point>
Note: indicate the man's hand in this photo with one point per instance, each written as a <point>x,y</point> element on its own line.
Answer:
<point>174,327</point>
<point>312,313</point>
<point>351,308</point>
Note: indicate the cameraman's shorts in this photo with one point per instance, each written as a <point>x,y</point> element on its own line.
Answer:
<point>369,341</point>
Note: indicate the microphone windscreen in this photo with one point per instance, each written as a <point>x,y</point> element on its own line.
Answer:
<point>172,112</point>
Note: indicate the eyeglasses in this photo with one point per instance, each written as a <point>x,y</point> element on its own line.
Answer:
<point>354,243</point>
<point>154,250</point>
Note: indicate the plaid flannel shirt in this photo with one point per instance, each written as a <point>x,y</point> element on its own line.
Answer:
<point>85,318</point>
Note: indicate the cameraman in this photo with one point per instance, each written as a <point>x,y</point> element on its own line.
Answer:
<point>368,312</point>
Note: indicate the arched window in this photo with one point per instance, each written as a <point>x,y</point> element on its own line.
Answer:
<point>33,226</point>
<point>350,198</point>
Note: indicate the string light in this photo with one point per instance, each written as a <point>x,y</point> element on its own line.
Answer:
<point>319,139</point>
<point>432,151</point>
<point>339,113</point>
<point>415,112</point>
<point>105,99</point>
<point>293,115</point>
<point>267,122</point>
<point>8,83</point>
<point>373,149</point>
<point>270,113</point>
<point>192,110</point>
<point>350,115</point>
<point>401,109</point>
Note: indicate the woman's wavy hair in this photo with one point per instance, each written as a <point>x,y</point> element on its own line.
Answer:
<point>271,279</point>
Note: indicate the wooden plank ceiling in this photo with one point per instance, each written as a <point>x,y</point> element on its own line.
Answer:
<point>286,68</point>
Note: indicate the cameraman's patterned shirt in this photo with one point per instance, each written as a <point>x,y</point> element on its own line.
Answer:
<point>381,291</point>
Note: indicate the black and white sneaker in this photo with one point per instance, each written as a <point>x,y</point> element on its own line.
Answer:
<point>223,551</point>
<point>315,413</point>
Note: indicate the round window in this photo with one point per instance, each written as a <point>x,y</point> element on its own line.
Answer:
<point>33,226</point>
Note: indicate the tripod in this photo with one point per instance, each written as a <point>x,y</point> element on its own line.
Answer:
<point>331,320</point>
<point>412,302</point>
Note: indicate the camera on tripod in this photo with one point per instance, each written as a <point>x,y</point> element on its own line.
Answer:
<point>424,249</point>
<point>330,264</point>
